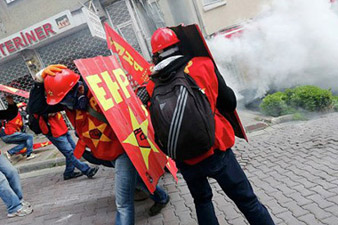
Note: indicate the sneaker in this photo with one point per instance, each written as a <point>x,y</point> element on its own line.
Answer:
<point>23,211</point>
<point>72,175</point>
<point>31,156</point>
<point>92,171</point>
<point>8,156</point>
<point>157,207</point>
<point>25,203</point>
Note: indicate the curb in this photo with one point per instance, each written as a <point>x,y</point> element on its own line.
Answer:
<point>60,161</point>
<point>255,127</point>
<point>268,122</point>
<point>282,119</point>
<point>41,165</point>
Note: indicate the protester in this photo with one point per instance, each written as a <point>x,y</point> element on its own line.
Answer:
<point>64,88</point>
<point>53,126</point>
<point>11,131</point>
<point>216,161</point>
<point>10,190</point>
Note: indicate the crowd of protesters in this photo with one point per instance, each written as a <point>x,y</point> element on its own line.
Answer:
<point>58,88</point>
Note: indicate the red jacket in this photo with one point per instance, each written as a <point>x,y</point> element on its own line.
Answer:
<point>14,125</point>
<point>56,123</point>
<point>95,134</point>
<point>202,70</point>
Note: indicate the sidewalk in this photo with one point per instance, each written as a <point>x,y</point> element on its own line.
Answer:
<point>291,166</point>
<point>49,156</point>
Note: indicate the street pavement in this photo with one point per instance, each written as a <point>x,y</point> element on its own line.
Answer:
<point>292,167</point>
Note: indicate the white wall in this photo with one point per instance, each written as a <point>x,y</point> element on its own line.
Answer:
<point>24,13</point>
<point>233,12</point>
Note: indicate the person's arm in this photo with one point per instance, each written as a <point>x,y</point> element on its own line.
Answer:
<point>11,111</point>
<point>226,100</point>
<point>37,102</point>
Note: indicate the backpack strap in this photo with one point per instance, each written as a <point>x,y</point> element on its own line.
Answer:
<point>97,115</point>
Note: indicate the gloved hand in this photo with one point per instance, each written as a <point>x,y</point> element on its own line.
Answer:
<point>49,70</point>
<point>52,69</point>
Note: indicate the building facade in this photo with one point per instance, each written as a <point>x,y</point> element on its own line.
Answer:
<point>36,33</point>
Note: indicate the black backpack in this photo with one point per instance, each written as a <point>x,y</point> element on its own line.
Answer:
<point>24,116</point>
<point>181,116</point>
<point>33,123</point>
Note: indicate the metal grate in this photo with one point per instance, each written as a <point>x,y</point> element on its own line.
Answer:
<point>121,19</point>
<point>129,35</point>
<point>15,73</point>
<point>76,46</point>
<point>118,12</point>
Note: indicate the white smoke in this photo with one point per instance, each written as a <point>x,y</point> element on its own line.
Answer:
<point>291,43</point>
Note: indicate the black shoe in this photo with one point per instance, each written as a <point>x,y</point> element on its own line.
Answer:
<point>157,207</point>
<point>72,175</point>
<point>92,171</point>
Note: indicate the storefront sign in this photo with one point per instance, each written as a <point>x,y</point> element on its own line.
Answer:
<point>94,24</point>
<point>36,33</point>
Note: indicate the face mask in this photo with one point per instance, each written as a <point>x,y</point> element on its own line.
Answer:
<point>81,103</point>
<point>71,98</point>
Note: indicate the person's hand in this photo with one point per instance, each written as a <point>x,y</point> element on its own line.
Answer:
<point>9,99</point>
<point>52,69</point>
<point>49,70</point>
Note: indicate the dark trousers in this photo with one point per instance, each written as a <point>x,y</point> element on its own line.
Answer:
<point>223,167</point>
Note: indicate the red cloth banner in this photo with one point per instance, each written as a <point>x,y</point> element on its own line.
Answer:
<point>14,91</point>
<point>126,115</point>
<point>130,59</point>
<point>36,146</point>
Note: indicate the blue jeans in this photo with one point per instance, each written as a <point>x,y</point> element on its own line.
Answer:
<point>10,187</point>
<point>126,179</point>
<point>224,168</point>
<point>66,146</point>
<point>22,139</point>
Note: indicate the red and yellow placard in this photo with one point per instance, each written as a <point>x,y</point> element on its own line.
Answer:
<point>130,59</point>
<point>126,115</point>
<point>14,91</point>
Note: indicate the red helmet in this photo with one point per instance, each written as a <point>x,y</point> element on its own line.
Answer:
<point>58,86</point>
<point>163,38</point>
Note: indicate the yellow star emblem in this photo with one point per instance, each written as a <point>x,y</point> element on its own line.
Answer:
<point>139,138</point>
<point>96,133</point>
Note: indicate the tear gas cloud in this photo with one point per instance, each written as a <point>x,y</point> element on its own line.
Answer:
<point>291,43</point>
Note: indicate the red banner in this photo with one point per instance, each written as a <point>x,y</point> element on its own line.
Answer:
<point>130,59</point>
<point>14,91</point>
<point>35,146</point>
<point>126,115</point>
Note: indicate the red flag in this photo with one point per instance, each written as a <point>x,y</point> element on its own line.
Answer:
<point>14,91</point>
<point>41,144</point>
<point>130,59</point>
<point>126,115</point>
<point>35,146</point>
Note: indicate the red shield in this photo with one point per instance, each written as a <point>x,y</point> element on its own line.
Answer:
<point>125,114</point>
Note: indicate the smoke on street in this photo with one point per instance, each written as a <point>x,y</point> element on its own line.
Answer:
<point>291,43</point>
